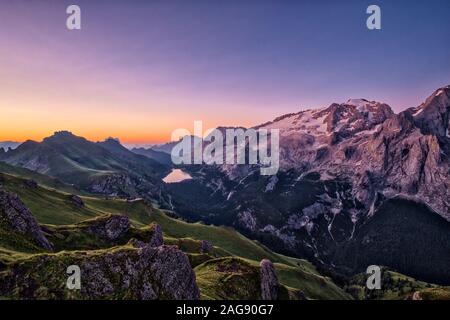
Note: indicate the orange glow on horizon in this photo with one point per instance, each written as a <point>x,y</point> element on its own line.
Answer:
<point>140,127</point>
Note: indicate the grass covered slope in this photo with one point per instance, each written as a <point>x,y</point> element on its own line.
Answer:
<point>237,278</point>
<point>65,225</point>
<point>228,271</point>
<point>49,182</point>
<point>396,286</point>
<point>103,168</point>
<point>224,237</point>
<point>51,206</point>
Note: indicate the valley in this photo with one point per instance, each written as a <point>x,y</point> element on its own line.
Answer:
<point>224,242</point>
<point>358,185</point>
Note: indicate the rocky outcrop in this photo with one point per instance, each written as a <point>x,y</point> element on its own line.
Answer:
<point>172,268</point>
<point>269,280</point>
<point>433,116</point>
<point>206,247</point>
<point>145,273</point>
<point>137,243</point>
<point>15,216</point>
<point>30,183</point>
<point>157,237</point>
<point>111,227</point>
<point>121,184</point>
<point>76,201</point>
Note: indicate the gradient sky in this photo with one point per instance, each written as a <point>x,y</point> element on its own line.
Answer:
<point>140,69</point>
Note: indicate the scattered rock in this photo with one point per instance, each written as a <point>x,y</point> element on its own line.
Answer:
<point>269,280</point>
<point>113,185</point>
<point>416,296</point>
<point>297,295</point>
<point>137,243</point>
<point>247,220</point>
<point>16,215</point>
<point>157,237</point>
<point>206,247</point>
<point>30,183</point>
<point>110,227</point>
<point>76,201</point>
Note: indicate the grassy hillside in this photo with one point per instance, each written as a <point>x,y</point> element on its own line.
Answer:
<point>49,182</point>
<point>223,237</point>
<point>55,210</point>
<point>64,227</point>
<point>54,207</point>
<point>397,286</point>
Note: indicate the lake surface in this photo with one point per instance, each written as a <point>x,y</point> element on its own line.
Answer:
<point>177,175</point>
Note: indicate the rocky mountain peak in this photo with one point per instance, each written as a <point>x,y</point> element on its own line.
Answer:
<point>114,145</point>
<point>62,134</point>
<point>345,119</point>
<point>433,116</point>
<point>62,137</point>
<point>356,115</point>
<point>27,144</point>
<point>112,141</point>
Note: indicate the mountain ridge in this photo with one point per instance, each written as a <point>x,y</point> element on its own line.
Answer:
<point>340,166</point>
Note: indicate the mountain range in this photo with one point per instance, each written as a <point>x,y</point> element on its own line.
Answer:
<point>346,170</point>
<point>100,167</point>
<point>358,185</point>
<point>6,145</point>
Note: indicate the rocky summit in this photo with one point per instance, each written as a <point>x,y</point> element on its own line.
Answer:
<point>341,166</point>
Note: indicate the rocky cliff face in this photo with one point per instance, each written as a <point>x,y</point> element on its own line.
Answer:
<point>145,273</point>
<point>432,116</point>
<point>377,151</point>
<point>157,237</point>
<point>338,166</point>
<point>15,217</point>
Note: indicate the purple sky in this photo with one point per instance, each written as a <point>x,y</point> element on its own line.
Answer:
<point>139,69</point>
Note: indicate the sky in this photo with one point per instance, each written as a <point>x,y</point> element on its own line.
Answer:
<point>137,70</point>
